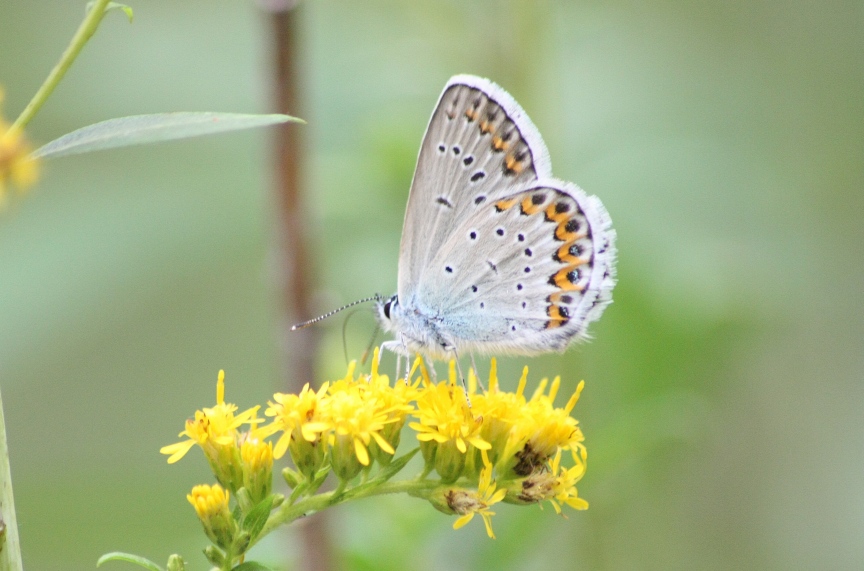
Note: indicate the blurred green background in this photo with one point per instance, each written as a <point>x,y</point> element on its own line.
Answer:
<point>724,386</point>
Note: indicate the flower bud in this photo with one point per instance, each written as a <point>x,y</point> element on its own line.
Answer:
<point>343,457</point>
<point>449,461</point>
<point>257,458</point>
<point>211,505</point>
<point>176,563</point>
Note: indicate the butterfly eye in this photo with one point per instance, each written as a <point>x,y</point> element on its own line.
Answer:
<point>387,307</point>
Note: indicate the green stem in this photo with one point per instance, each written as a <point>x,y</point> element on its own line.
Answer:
<point>10,549</point>
<point>289,512</point>
<point>84,33</point>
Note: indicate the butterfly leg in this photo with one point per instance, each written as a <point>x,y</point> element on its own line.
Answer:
<point>477,373</point>
<point>398,348</point>
<point>430,368</point>
<point>461,376</point>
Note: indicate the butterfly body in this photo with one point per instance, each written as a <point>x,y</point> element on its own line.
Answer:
<point>497,256</point>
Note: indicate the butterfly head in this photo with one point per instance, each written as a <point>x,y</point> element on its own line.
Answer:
<point>384,308</point>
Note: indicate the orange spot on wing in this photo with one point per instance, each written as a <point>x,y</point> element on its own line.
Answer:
<point>562,279</point>
<point>554,216</point>
<point>498,143</point>
<point>565,257</point>
<point>563,235</point>
<point>556,318</point>
<point>512,164</point>
<point>471,114</point>
<point>528,206</point>
<point>506,204</point>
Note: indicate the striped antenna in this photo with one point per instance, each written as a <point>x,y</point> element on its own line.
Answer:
<point>375,297</point>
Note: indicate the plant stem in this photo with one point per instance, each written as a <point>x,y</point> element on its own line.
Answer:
<point>289,512</point>
<point>10,549</point>
<point>84,33</point>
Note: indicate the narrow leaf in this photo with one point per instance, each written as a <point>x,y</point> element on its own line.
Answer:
<point>257,517</point>
<point>144,129</point>
<point>129,558</point>
<point>124,7</point>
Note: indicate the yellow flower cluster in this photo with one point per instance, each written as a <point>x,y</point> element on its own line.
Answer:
<point>16,165</point>
<point>486,447</point>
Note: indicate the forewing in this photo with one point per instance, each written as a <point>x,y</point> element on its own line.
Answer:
<point>479,147</point>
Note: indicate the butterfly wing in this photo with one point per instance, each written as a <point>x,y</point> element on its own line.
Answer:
<point>524,274</point>
<point>478,147</point>
<point>495,252</point>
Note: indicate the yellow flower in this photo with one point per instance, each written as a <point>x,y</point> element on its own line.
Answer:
<point>500,411</point>
<point>543,430</point>
<point>395,401</point>
<point>211,505</point>
<point>350,417</point>
<point>353,418</point>
<point>16,164</point>
<point>297,416</point>
<point>215,431</point>
<point>446,426</point>
<point>467,504</point>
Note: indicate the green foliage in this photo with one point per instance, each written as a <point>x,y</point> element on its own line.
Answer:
<point>155,128</point>
<point>129,558</point>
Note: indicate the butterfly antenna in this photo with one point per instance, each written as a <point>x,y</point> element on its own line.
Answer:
<point>345,334</point>
<point>375,297</point>
<point>371,344</point>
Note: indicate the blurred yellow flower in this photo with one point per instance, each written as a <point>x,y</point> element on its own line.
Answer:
<point>17,167</point>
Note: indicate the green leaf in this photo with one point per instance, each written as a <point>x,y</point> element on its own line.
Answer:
<point>251,566</point>
<point>124,7</point>
<point>129,558</point>
<point>111,6</point>
<point>257,517</point>
<point>144,129</point>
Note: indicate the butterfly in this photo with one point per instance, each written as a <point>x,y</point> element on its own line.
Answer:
<point>496,256</point>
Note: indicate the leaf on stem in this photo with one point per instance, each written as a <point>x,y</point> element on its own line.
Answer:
<point>154,128</point>
<point>254,521</point>
<point>112,6</point>
<point>124,7</point>
<point>129,558</point>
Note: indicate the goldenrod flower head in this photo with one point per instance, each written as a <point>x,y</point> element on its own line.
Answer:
<point>544,429</point>
<point>557,485</point>
<point>16,164</point>
<point>257,458</point>
<point>500,411</point>
<point>298,417</point>
<point>396,401</point>
<point>446,426</point>
<point>211,505</point>
<point>215,431</point>
<point>353,417</point>
<point>349,416</point>
<point>467,503</point>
